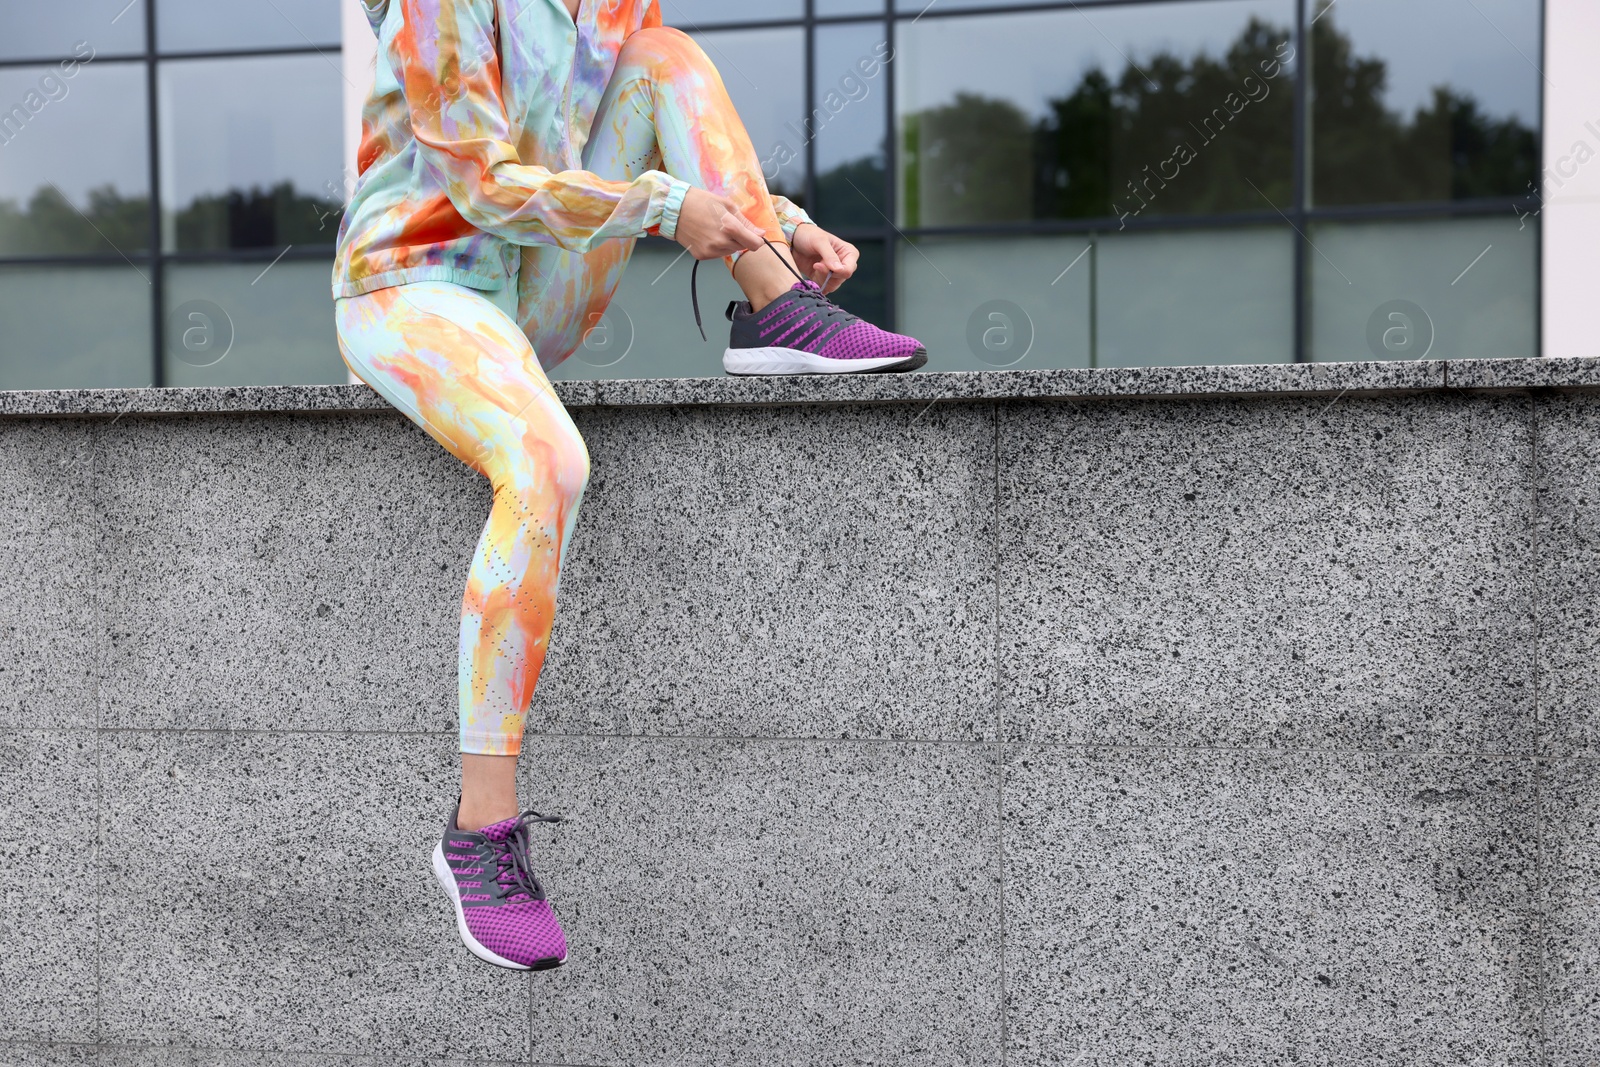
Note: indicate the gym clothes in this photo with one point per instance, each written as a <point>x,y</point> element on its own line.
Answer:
<point>455,363</point>
<point>466,265</point>
<point>500,907</point>
<point>501,131</point>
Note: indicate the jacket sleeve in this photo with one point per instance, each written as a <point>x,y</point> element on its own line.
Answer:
<point>790,217</point>
<point>445,54</point>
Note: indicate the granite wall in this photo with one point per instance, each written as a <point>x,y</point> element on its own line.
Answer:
<point>1154,718</point>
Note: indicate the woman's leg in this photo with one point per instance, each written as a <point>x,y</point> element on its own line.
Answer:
<point>459,367</point>
<point>665,108</point>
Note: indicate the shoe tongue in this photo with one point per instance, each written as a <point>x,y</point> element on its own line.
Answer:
<point>806,287</point>
<point>499,831</point>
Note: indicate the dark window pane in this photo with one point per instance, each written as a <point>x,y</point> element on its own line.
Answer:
<point>1432,288</point>
<point>994,303</point>
<point>1150,109</point>
<point>867,293</point>
<point>74,327</point>
<point>1426,100</point>
<point>207,25</point>
<point>848,124</point>
<point>688,14</point>
<point>79,28</point>
<point>76,166</point>
<point>764,71</point>
<point>246,169</point>
<point>251,324</point>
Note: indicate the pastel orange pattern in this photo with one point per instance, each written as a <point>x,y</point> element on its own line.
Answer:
<point>510,160</point>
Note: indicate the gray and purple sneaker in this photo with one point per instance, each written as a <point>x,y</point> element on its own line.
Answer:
<point>803,332</point>
<point>501,910</point>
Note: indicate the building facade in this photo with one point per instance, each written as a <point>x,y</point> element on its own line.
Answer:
<point>1108,183</point>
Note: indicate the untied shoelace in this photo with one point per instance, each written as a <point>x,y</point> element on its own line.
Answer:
<point>694,291</point>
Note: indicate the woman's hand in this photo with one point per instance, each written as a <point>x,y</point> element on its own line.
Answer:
<point>818,253</point>
<point>710,227</point>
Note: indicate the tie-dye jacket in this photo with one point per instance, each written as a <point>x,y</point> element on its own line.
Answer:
<point>472,140</point>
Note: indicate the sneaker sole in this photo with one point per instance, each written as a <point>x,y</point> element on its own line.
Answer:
<point>795,361</point>
<point>447,882</point>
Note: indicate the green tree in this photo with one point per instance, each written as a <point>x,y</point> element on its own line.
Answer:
<point>1200,134</point>
<point>50,224</point>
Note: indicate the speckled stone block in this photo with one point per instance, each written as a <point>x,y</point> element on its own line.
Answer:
<point>1353,574</point>
<point>764,903</point>
<point>1557,373</point>
<point>821,572</point>
<point>48,611</point>
<point>1570,804</point>
<point>274,893</point>
<point>187,1057</point>
<point>49,797</point>
<point>1332,378</point>
<point>280,571</point>
<point>240,399</point>
<point>1569,574</point>
<point>1184,908</point>
<point>27,1054</point>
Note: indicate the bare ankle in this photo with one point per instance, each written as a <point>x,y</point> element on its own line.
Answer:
<point>477,815</point>
<point>765,275</point>
<point>488,790</point>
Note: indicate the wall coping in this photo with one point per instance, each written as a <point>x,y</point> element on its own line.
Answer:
<point>1293,379</point>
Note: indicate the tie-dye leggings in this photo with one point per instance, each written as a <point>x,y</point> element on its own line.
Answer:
<point>460,364</point>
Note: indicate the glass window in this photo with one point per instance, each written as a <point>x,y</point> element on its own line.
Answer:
<point>687,14</point>
<point>250,324</point>
<point>1195,297</point>
<point>1415,289</point>
<point>648,331</point>
<point>1136,110</point>
<point>764,71</point>
<point>1423,100</point>
<point>75,327</point>
<point>76,176</point>
<point>216,25</point>
<point>244,169</point>
<point>989,303</point>
<point>81,29</point>
<point>866,294</point>
<point>829,8</point>
<point>848,124</point>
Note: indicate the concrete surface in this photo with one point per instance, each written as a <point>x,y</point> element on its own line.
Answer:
<point>1096,718</point>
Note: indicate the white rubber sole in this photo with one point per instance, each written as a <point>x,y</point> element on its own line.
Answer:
<point>794,361</point>
<point>447,880</point>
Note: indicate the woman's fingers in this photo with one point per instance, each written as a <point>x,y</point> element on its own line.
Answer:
<point>711,226</point>
<point>845,257</point>
<point>740,229</point>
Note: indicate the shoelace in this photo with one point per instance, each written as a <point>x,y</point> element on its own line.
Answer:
<point>694,290</point>
<point>511,857</point>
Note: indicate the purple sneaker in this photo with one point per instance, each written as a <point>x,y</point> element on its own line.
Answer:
<point>803,332</point>
<point>501,910</point>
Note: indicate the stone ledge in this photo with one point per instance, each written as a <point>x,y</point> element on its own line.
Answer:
<point>1303,379</point>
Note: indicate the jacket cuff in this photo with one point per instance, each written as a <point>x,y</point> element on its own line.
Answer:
<point>793,221</point>
<point>671,205</point>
